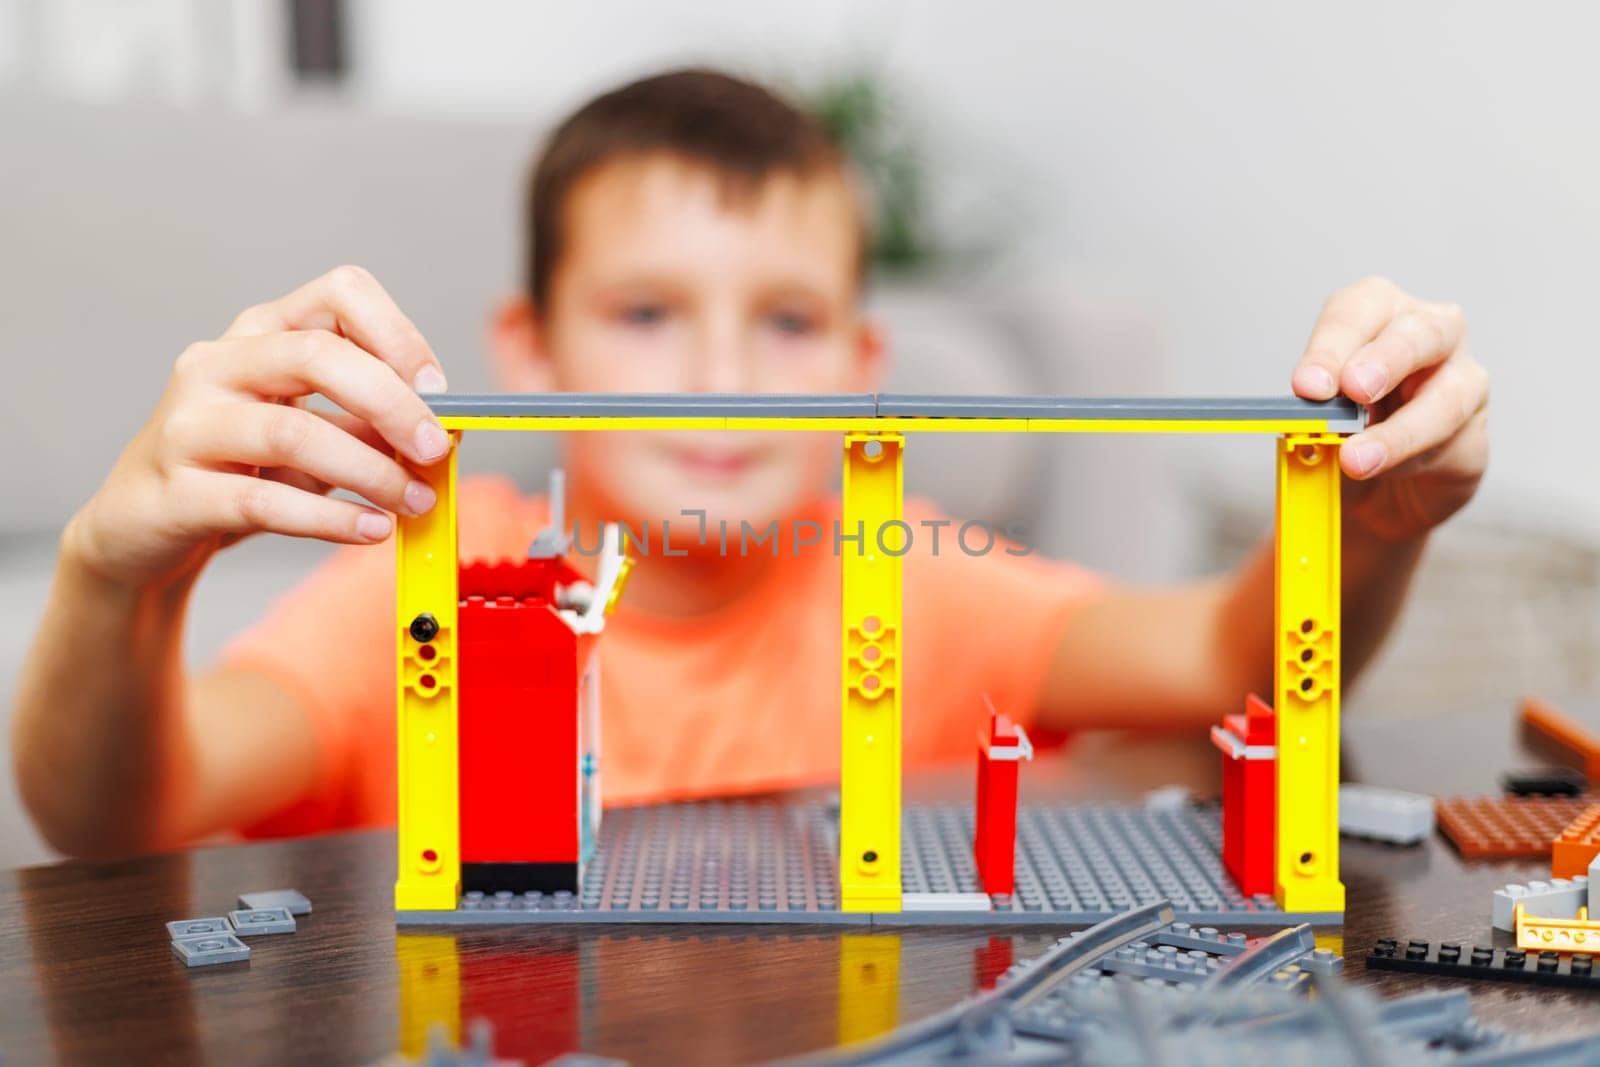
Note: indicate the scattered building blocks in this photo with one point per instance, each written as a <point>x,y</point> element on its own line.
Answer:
<point>1389,815</point>
<point>766,860</point>
<point>1544,933</point>
<point>1498,827</point>
<point>1549,728</point>
<point>1249,794</point>
<point>1594,886</point>
<point>292,899</point>
<point>1002,745</point>
<point>1577,845</point>
<point>433,828</point>
<point>205,950</point>
<point>1450,960</point>
<point>262,921</point>
<point>1544,782</point>
<point>196,927</point>
<point>1076,1005</point>
<point>1559,897</point>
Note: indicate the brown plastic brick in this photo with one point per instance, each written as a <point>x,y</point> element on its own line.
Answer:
<point>1577,845</point>
<point>1504,828</point>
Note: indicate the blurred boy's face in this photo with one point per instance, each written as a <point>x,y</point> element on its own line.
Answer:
<point>668,282</point>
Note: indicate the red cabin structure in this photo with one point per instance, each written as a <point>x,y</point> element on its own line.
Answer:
<point>1249,785</point>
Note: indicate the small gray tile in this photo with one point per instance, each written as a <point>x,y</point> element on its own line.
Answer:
<point>204,950</point>
<point>250,922</point>
<point>292,899</point>
<point>195,927</point>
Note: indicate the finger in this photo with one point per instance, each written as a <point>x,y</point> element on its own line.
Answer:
<point>358,428</point>
<point>281,436</point>
<point>240,504</point>
<point>295,479</point>
<point>1351,317</point>
<point>1418,337</point>
<point>315,361</point>
<point>350,302</point>
<point>1462,456</point>
<point>1441,407</point>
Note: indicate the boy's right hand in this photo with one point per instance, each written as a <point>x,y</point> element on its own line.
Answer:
<point>230,450</point>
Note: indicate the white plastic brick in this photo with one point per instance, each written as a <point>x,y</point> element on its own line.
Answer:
<point>1559,898</point>
<point>1594,887</point>
<point>1390,815</point>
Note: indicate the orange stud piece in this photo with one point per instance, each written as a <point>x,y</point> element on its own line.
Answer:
<point>1576,846</point>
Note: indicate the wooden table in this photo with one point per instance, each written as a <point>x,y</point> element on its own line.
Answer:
<point>86,974</point>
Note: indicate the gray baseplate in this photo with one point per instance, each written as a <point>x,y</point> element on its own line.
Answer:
<point>775,861</point>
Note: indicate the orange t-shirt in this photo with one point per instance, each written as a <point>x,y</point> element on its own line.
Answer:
<point>741,700</point>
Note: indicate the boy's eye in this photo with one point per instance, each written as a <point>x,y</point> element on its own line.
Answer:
<point>792,322</point>
<point>644,314</point>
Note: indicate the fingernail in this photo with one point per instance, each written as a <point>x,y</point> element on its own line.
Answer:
<point>419,497</point>
<point>432,442</point>
<point>1372,379</point>
<point>1365,456</point>
<point>373,526</point>
<point>430,379</point>
<point>1316,381</point>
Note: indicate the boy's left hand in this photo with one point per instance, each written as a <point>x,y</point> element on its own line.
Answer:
<point>1422,458</point>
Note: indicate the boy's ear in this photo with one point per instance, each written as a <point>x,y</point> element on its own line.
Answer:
<point>517,354</point>
<point>872,356</point>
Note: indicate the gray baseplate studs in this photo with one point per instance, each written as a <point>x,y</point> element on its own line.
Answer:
<point>775,861</point>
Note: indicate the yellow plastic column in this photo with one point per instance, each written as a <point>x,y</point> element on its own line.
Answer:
<point>1306,673</point>
<point>869,777</point>
<point>429,801</point>
<point>869,986</point>
<point>430,990</point>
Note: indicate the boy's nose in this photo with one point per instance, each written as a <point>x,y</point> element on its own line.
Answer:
<point>723,362</point>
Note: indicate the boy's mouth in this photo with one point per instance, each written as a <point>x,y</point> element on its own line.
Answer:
<point>714,463</point>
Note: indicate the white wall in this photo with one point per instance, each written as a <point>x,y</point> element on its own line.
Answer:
<point>1221,165</point>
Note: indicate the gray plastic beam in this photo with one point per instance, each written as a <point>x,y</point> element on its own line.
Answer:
<point>1343,415</point>
<point>660,405</point>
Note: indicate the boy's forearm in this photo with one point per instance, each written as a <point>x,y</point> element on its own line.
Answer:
<point>1182,656</point>
<point>99,736</point>
<point>1376,575</point>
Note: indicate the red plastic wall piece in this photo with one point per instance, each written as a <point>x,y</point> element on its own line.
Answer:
<point>1249,801</point>
<point>995,838</point>
<point>519,721</point>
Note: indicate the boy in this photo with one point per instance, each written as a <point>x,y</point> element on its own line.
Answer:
<point>689,232</point>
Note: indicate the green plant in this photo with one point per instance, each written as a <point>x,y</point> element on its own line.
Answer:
<point>867,123</point>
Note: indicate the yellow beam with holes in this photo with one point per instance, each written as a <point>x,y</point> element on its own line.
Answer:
<point>429,875</point>
<point>869,770</point>
<point>1306,673</point>
<point>882,424</point>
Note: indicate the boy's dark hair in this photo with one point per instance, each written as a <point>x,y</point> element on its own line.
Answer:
<point>741,131</point>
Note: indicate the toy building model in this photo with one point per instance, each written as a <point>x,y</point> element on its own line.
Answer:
<point>497,694</point>
<point>529,710</point>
